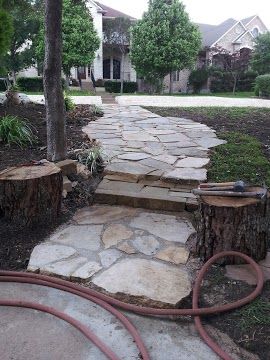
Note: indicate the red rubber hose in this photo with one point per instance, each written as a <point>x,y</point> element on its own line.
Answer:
<point>108,302</point>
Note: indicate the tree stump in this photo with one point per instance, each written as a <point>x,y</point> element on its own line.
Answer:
<point>31,194</point>
<point>229,223</point>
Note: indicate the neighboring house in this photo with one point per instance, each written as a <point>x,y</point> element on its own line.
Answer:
<point>107,63</point>
<point>231,35</point>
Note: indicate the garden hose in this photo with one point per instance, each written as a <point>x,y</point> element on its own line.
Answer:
<point>110,303</point>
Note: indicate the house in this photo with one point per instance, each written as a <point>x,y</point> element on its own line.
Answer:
<point>231,34</point>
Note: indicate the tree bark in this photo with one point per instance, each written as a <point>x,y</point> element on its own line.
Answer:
<point>239,224</point>
<point>171,82</point>
<point>31,194</point>
<point>55,111</point>
<point>122,73</point>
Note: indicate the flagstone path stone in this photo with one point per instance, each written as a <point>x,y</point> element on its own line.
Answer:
<point>144,147</point>
<point>121,250</point>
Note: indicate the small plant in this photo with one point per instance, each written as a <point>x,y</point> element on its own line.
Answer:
<point>14,88</point>
<point>15,131</point>
<point>96,110</point>
<point>93,159</point>
<point>69,103</point>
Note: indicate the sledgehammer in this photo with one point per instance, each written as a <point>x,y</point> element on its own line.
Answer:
<point>237,186</point>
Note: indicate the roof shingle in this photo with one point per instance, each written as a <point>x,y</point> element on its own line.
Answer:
<point>112,13</point>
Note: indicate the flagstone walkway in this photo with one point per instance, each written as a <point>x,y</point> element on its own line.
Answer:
<point>154,162</point>
<point>137,250</point>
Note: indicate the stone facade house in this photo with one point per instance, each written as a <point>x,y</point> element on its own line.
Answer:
<point>231,34</point>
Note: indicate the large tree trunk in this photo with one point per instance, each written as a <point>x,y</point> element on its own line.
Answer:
<point>31,194</point>
<point>55,112</point>
<point>239,224</point>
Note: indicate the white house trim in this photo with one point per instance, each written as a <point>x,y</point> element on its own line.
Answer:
<point>239,22</point>
<point>236,40</point>
<point>256,16</point>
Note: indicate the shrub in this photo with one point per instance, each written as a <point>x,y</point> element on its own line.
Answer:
<point>198,79</point>
<point>100,83</point>
<point>115,87</point>
<point>33,83</point>
<point>222,81</point>
<point>263,85</point>
<point>15,131</point>
<point>69,103</point>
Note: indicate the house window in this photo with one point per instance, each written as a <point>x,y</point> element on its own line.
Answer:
<point>176,75</point>
<point>116,69</point>
<point>255,32</point>
<point>107,69</point>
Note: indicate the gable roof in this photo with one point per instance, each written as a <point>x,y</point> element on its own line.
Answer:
<point>248,19</point>
<point>212,33</point>
<point>112,13</point>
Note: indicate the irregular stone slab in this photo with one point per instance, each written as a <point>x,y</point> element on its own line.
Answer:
<point>169,159</point>
<point>134,156</point>
<point>210,142</point>
<point>131,170</point>
<point>147,245</point>
<point>79,237</point>
<point>64,268</point>
<point>86,271</point>
<point>186,174</point>
<point>192,162</point>
<point>127,248</point>
<point>167,227</point>
<point>102,214</point>
<point>47,253</point>
<point>138,136</point>
<point>245,273</point>
<point>108,257</point>
<point>173,254</point>
<point>173,138</point>
<point>114,234</point>
<point>266,261</point>
<point>189,151</point>
<point>120,186</point>
<point>140,277</point>
<point>154,131</point>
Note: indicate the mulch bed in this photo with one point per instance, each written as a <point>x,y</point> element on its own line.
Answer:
<point>17,243</point>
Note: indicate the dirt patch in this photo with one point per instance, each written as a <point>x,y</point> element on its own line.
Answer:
<point>249,326</point>
<point>17,243</point>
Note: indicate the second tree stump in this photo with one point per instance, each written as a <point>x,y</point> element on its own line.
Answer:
<point>238,224</point>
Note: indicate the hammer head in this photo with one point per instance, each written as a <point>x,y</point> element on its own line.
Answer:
<point>239,186</point>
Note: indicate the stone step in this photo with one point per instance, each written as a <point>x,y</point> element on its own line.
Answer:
<point>145,195</point>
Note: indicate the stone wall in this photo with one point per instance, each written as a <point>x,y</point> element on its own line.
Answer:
<point>178,86</point>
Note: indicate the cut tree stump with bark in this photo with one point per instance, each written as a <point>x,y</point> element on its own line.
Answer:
<point>31,194</point>
<point>229,223</point>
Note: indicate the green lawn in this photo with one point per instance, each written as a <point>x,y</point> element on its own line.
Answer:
<point>69,92</point>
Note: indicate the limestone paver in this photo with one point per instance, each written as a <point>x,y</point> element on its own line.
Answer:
<point>64,268</point>
<point>147,245</point>
<point>176,255</point>
<point>140,277</point>
<point>186,174</point>
<point>167,227</point>
<point>86,271</point>
<point>192,162</point>
<point>114,234</point>
<point>108,257</point>
<point>127,248</point>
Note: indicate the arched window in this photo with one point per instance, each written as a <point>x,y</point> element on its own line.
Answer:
<point>255,32</point>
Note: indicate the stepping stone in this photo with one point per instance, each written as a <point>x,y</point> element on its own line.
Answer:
<point>190,151</point>
<point>166,227</point>
<point>114,234</point>
<point>138,136</point>
<point>86,271</point>
<point>64,268</point>
<point>173,138</point>
<point>108,257</point>
<point>47,253</point>
<point>127,248</point>
<point>133,156</point>
<point>131,170</point>
<point>79,237</point>
<point>139,277</point>
<point>210,142</point>
<point>186,175</point>
<point>192,162</point>
<point>169,159</point>
<point>147,245</point>
<point>173,254</point>
<point>102,214</point>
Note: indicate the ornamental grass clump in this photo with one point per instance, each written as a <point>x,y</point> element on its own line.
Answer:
<point>14,130</point>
